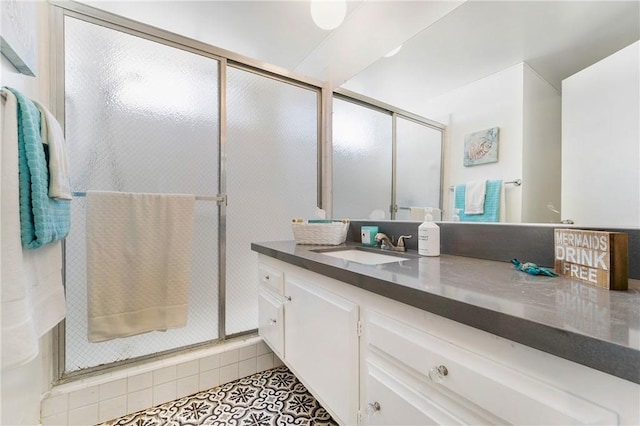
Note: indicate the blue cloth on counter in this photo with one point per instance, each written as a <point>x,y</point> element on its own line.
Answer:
<point>532,268</point>
<point>491,203</point>
<point>42,219</point>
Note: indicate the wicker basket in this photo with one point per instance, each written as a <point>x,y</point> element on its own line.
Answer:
<point>330,234</point>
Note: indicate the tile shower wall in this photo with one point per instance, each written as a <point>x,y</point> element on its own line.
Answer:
<point>100,398</point>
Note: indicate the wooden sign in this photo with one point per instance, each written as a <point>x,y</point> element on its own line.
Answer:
<point>594,257</point>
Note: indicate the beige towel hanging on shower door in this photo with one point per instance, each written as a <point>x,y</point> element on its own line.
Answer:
<point>138,262</point>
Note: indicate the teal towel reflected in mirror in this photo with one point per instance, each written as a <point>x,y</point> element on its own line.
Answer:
<point>491,203</point>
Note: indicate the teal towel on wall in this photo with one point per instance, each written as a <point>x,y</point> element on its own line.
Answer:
<point>491,203</point>
<point>42,219</point>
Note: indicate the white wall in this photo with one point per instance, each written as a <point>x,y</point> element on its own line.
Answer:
<point>494,101</point>
<point>601,142</point>
<point>22,387</point>
<point>541,149</point>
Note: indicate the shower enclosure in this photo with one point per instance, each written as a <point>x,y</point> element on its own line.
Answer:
<point>145,110</point>
<point>149,111</point>
<point>387,160</point>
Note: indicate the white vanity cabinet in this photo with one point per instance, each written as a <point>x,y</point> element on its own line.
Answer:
<point>321,345</point>
<point>370,360</point>
<point>271,320</point>
<point>315,333</point>
<point>396,386</point>
<point>414,377</point>
<point>271,308</point>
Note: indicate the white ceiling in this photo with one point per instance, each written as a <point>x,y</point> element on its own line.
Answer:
<point>282,33</point>
<point>446,43</point>
<point>555,38</point>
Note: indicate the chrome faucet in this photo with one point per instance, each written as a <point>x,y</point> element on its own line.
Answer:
<point>387,244</point>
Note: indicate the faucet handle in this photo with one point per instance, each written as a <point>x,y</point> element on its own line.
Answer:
<point>401,239</point>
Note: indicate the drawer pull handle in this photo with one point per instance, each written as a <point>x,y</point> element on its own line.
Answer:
<point>372,408</point>
<point>436,374</point>
<point>272,321</point>
<point>287,299</point>
<point>266,277</point>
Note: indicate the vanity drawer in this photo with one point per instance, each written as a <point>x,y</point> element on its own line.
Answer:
<point>271,320</point>
<point>271,278</point>
<point>392,397</point>
<point>500,390</point>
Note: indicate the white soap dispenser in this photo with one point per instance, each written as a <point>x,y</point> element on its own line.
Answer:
<point>428,237</point>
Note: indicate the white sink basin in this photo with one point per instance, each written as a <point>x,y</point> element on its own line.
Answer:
<point>365,257</point>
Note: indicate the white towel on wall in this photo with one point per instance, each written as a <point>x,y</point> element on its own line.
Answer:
<point>138,262</point>
<point>53,136</point>
<point>31,280</point>
<point>43,270</point>
<point>416,213</point>
<point>475,192</point>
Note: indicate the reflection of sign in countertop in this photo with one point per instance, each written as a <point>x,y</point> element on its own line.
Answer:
<point>582,323</point>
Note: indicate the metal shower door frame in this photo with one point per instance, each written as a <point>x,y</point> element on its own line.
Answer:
<point>61,9</point>
<point>395,113</point>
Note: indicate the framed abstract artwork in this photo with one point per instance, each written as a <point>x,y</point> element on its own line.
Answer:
<point>481,147</point>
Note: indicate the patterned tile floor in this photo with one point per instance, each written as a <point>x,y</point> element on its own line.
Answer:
<point>271,398</point>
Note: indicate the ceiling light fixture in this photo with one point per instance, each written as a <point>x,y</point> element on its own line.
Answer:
<point>328,14</point>
<point>393,52</point>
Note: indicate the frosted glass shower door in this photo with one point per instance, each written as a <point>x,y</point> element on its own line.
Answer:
<point>271,170</point>
<point>140,116</point>
<point>362,152</point>
<point>418,166</point>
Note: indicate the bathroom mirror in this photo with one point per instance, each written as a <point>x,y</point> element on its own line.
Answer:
<point>481,66</point>
<point>446,46</point>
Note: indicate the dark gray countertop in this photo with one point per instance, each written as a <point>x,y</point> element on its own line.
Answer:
<point>595,327</point>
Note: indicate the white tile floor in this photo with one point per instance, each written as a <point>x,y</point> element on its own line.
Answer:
<point>272,397</point>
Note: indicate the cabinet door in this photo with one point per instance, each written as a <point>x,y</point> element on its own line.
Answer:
<point>271,320</point>
<point>321,346</point>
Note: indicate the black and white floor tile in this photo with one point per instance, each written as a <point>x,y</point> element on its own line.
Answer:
<point>270,398</point>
